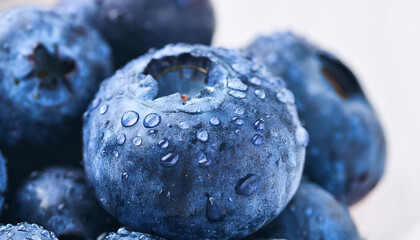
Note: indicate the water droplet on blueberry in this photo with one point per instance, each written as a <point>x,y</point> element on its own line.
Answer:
<point>238,121</point>
<point>164,143</point>
<point>302,136</point>
<point>184,125</point>
<point>129,118</point>
<point>285,96</point>
<point>248,185</point>
<point>203,136</point>
<point>260,93</point>
<point>121,139</point>
<point>137,141</point>
<point>103,109</point>
<point>214,210</point>
<point>215,121</point>
<point>257,140</point>
<point>151,120</point>
<point>237,94</point>
<point>259,125</point>
<point>169,160</point>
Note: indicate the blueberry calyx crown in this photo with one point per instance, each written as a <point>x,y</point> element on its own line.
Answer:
<point>339,75</point>
<point>184,74</point>
<point>50,68</point>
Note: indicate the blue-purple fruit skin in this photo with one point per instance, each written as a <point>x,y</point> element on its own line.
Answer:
<point>126,234</point>
<point>206,151</point>
<point>25,231</point>
<point>3,180</point>
<point>347,151</point>
<point>312,214</point>
<point>132,27</point>
<point>59,199</point>
<point>50,69</point>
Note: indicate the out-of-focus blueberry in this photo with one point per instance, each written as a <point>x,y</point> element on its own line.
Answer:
<point>346,154</point>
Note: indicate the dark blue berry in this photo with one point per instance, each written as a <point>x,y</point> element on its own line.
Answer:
<point>59,199</point>
<point>126,234</point>
<point>3,180</point>
<point>50,68</point>
<point>132,27</point>
<point>207,171</point>
<point>25,231</point>
<point>346,154</point>
<point>312,214</point>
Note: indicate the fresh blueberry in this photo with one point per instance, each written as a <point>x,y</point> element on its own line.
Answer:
<point>312,214</point>
<point>126,234</point>
<point>25,231</point>
<point>132,27</point>
<point>3,180</point>
<point>59,199</point>
<point>346,154</point>
<point>187,148</point>
<point>49,70</point>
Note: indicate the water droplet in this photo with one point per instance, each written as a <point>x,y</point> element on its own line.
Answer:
<point>302,136</point>
<point>257,140</point>
<point>115,153</point>
<point>203,160</point>
<point>95,103</point>
<point>239,111</point>
<point>237,94</point>
<point>255,81</point>
<point>124,176</point>
<point>151,132</point>
<point>259,125</point>
<point>169,160</point>
<point>137,141</point>
<point>203,136</point>
<point>237,84</point>
<point>184,125</point>
<point>285,96</point>
<point>121,139</point>
<point>237,131</point>
<point>164,143</point>
<point>151,120</point>
<point>238,121</point>
<point>108,97</point>
<point>248,185</point>
<point>214,210</point>
<point>103,109</point>
<point>129,118</point>
<point>260,93</point>
<point>215,121</point>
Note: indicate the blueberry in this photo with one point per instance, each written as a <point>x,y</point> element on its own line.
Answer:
<point>50,68</point>
<point>25,231</point>
<point>59,199</point>
<point>177,153</point>
<point>312,214</point>
<point>132,27</point>
<point>3,180</point>
<point>346,154</point>
<point>126,234</point>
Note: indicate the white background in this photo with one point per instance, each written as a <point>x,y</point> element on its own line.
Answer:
<point>380,41</point>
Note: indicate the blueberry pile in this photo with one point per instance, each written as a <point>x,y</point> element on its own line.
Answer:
<point>119,121</point>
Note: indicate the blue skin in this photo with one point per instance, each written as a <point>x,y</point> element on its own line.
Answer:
<point>312,214</point>
<point>193,144</point>
<point>3,180</point>
<point>59,199</point>
<point>125,234</point>
<point>132,27</point>
<point>50,69</point>
<point>25,231</point>
<point>346,154</point>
